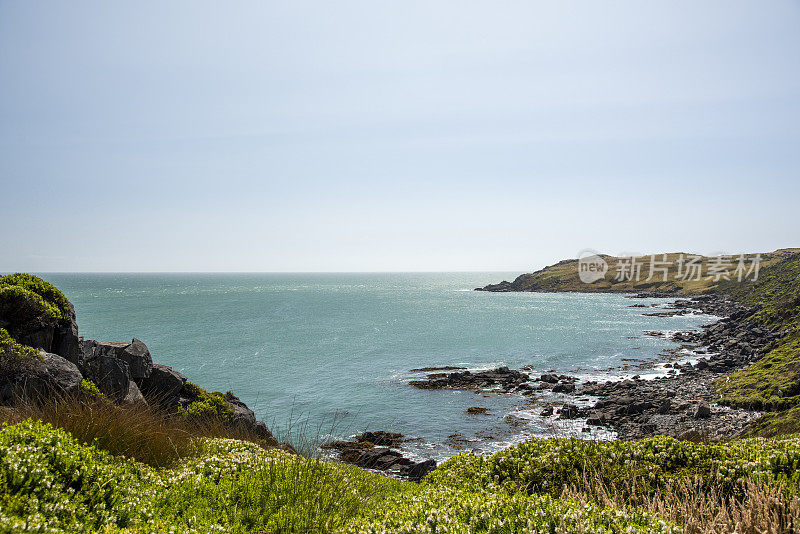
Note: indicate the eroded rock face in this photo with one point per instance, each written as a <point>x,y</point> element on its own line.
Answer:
<point>138,358</point>
<point>376,450</point>
<point>62,373</point>
<point>134,354</point>
<point>163,382</point>
<point>109,373</point>
<point>66,342</point>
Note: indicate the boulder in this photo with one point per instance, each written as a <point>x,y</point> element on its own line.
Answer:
<point>62,373</point>
<point>564,387</point>
<point>418,470</point>
<point>133,395</point>
<point>138,358</point>
<point>110,374</point>
<point>702,410</point>
<point>134,354</point>
<point>568,411</point>
<point>163,382</point>
<point>381,438</point>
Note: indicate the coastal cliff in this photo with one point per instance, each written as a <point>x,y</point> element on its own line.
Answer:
<point>43,356</point>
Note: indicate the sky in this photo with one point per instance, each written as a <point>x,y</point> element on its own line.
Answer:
<point>393,136</point>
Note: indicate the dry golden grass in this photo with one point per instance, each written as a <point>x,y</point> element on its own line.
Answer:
<point>143,432</point>
<point>763,508</point>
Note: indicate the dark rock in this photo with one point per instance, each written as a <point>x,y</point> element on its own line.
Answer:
<point>110,374</point>
<point>163,382</point>
<point>564,387</point>
<point>547,412</point>
<point>597,418</point>
<point>477,410</point>
<point>418,470</point>
<point>63,374</point>
<point>381,438</point>
<point>702,411</point>
<point>138,358</point>
<point>569,411</point>
<point>66,342</point>
<point>501,378</point>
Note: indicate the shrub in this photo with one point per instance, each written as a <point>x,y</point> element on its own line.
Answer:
<point>550,465</point>
<point>208,406</point>
<point>439,508</point>
<point>24,308</point>
<point>50,483</point>
<point>90,389</point>
<point>10,349</point>
<point>55,301</point>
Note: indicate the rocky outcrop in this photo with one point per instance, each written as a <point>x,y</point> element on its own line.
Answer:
<point>163,382</point>
<point>40,377</point>
<point>681,404</point>
<point>378,450</point>
<point>62,374</point>
<point>502,378</point>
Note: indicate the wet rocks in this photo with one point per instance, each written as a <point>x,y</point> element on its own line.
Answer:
<point>474,410</point>
<point>377,450</point>
<point>702,410</point>
<point>569,411</point>
<point>502,379</point>
<point>680,404</point>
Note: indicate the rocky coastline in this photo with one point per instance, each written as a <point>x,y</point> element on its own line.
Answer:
<point>681,403</point>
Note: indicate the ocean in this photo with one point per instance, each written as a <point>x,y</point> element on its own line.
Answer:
<point>330,355</point>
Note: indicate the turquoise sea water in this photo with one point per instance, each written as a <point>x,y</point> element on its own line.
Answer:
<point>334,351</point>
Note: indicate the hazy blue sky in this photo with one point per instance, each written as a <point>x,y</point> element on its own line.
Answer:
<point>352,136</point>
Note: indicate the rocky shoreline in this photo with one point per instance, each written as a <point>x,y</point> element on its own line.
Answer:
<point>680,404</point>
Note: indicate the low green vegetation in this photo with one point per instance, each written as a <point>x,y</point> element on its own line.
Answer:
<point>772,383</point>
<point>52,482</point>
<point>548,465</point>
<point>208,405</point>
<point>17,359</point>
<point>775,295</point>
<point>11,350</point>
<point>90,389</point>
